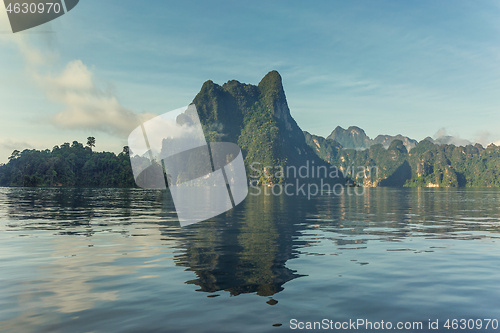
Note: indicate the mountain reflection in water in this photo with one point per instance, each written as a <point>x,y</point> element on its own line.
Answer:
<point>77,259</point>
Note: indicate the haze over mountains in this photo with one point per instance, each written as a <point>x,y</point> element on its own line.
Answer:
<point>449,140</point>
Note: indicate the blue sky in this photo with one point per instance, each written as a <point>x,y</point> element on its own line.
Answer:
<point>389,67</point>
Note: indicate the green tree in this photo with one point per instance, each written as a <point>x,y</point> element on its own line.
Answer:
<point>15,154</point>
<point>91,142</point>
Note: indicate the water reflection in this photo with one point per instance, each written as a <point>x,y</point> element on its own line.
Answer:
<point>88,231</point>
<point>242,251</point>
<point>246,249</point>
<point>390,214</point>
<point>87,253</point>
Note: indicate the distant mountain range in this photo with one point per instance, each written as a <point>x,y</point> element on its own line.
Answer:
<point>426,165</point>
<point>356,138</point>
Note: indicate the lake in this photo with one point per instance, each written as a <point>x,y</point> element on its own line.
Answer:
<point>116,260</point>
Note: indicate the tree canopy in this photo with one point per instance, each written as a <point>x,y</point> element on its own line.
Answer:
<point>68,165</point>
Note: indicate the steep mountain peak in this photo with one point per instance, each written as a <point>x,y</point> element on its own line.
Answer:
<point>356,130</point>
<point>338,129</point>
<point>354,137</point>
<point>208,86</point>
<point>272,81</point>
<point>257,118</point>
<point>351,130</point>
<point>208,83</point>
<point>429,139</point>
<point>398,144</point>
<point>274,99</point>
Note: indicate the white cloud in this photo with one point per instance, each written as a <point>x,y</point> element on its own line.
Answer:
<point>86,105</point>
<point>13,145</point>
<point>484,138</point>
<point>442,137</point>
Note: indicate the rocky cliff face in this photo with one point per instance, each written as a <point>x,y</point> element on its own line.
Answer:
<point>356,138</point>
<point>353,137</point>
<point>327,149</point>
<point>257,118</point>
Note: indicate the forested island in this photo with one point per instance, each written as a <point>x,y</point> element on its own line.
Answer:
<point>68,165</point>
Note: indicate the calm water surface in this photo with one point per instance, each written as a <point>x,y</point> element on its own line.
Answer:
<point>116,260</point>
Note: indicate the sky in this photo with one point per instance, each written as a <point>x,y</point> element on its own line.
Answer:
<point>417,68</point>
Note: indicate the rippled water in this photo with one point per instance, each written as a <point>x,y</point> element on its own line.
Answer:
<point>116,260</point>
